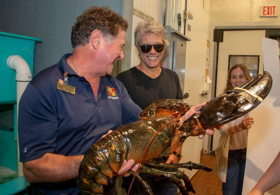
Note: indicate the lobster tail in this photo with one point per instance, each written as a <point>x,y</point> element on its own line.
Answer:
<point>90,178</point>
<point>109,153</point>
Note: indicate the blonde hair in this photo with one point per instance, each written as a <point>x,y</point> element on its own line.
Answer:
<point>147,27</point>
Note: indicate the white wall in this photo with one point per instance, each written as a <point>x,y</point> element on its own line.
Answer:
<point>196,53</point>
<point>240,10</point>
<point>154,8</point>
<point>195,72</point>
<point>263,140</point>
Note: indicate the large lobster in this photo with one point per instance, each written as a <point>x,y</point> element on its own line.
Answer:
<point>163,135</point>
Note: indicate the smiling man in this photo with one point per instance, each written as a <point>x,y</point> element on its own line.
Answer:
<point>148,82</point>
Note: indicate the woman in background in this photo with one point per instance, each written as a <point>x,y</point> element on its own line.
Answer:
<point>231,151</point>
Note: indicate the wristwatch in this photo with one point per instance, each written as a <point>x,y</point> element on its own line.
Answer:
<point>179,156</point>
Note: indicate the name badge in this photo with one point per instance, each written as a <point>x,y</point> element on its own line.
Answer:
<point>63,86</point>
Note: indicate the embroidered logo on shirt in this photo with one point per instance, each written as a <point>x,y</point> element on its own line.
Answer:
<point>112,93</point>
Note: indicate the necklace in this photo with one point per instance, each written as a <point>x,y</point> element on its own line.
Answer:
<point>75,66</point>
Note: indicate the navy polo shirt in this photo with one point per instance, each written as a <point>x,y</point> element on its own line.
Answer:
<point>55,121</point>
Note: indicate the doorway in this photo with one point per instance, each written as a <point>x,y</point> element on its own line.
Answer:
<point>236,46</point>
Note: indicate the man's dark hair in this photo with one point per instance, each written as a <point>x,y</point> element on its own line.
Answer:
<point>96,18</point>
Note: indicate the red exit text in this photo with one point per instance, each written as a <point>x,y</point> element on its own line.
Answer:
<point>268,11</point>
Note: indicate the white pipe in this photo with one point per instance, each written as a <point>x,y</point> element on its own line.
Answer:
<point>20,66</point>
<point>23,76</point>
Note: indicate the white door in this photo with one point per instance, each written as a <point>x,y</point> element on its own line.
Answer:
<point>243,42</point>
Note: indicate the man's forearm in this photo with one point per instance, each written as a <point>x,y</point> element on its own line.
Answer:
<point>269,179</point>
<point>52,168</point>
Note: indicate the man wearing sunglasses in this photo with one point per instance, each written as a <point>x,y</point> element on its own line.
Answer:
<point>148,82</point>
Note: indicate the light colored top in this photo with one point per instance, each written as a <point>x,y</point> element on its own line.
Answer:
<point>238,140</point>
<point>229,142</point>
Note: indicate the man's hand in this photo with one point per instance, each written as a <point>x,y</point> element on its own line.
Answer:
<point>172,159</point>
<point>194,110</point>
<point>208,132</point>
<point>126,166</point>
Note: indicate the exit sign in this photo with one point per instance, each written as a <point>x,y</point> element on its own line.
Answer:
<point>269,11</point>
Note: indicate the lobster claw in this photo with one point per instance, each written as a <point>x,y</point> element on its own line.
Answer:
<point>256,89</point>
<point>237,102</point>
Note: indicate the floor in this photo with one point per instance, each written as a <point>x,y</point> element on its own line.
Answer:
<point>207,183</point>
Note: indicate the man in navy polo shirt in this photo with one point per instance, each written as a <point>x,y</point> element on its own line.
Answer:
<point>70,105</point>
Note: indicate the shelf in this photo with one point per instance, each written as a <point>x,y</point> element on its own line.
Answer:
<point>178,33</point>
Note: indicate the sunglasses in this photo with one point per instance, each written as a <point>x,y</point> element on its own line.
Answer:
<point>147,48</point>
